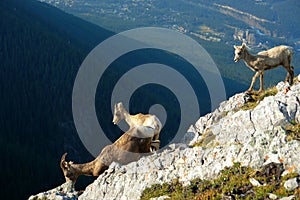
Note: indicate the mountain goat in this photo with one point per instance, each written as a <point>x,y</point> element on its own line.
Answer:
<point>152,121</point>
<point>265,60</point>
<point>133,144</point>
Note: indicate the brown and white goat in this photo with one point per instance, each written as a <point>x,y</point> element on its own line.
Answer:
<point>133,144</point>
<point>265,60</point>
<point>152,121</point>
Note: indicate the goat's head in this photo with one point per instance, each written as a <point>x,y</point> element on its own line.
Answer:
<point>239,52</point>
<point>68,170</point>
<point>118,113</point>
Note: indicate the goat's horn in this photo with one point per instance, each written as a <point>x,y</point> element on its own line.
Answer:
<point>63,160</point>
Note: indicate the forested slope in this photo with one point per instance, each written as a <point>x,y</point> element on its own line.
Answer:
<point>38,62</point>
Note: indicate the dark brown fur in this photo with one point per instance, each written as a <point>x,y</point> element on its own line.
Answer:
<point>126,149</point>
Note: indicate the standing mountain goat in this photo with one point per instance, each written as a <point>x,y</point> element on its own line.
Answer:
<point>129,147</point>
<point>265,60</point>
<point>152,121</point>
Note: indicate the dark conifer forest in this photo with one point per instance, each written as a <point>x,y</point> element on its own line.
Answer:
<point>39,60</point>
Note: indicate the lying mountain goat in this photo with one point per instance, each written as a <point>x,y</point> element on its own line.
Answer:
<point>121,113</point>
<point>265,60</point>
<point>129,147</point>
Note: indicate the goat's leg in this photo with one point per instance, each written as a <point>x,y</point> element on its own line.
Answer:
<point>253,81</point>
<point>99,168</point>
<point>287,78</point>
<point>261,77</point>
<point>156,135</point>
<point>290,74</point>
<point>155,141</point>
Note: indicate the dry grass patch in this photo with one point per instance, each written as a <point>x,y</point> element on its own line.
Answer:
<point>232,183</point>
<point>206,140</point>
<point>259,96</point>
<point>293,131</point>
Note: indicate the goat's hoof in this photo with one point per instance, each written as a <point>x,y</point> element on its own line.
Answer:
<point>154,148</point>
<point>155,145</point>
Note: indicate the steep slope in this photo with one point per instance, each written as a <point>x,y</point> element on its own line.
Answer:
<point>254,137</point>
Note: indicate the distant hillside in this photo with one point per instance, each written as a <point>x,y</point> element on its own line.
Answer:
<point>275,18</point>
<point>217,25</point>
<point>41,49</point>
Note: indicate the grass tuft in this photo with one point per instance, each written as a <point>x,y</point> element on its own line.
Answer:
<point>206,139</point>
<point>259,96</point>
<point>293,131</point>
<point>233,182</point>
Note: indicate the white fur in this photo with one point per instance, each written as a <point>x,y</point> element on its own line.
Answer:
<point>142,132</point>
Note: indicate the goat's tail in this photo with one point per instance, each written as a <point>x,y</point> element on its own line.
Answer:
<point>290,53</point>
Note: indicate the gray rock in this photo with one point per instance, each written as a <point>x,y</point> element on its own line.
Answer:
<point>191,137</point>
<point>63,192</point>
<point>281,86</point>
<point>289,198</point>
<point>254,138</point>
<point>291,184</point>
<point>254,182</point>
<point>161,198</point>
<point>273,196</point>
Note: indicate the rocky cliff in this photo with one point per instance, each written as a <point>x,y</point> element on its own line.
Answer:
<point>234,133</point>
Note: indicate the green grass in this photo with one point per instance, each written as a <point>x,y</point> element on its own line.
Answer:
<point>232,181</point>
<point>293,131</point>
<point>206,140</point>
<point>259,96</point>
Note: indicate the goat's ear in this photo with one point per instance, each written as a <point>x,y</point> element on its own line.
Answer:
<point>244,45</point>
<point>63,161</point>
<point>235,47</point>
<point>120,105</point>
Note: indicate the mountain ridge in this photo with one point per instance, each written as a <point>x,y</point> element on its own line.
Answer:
<point>217,140</point>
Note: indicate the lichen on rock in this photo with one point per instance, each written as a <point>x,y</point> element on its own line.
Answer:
<point>254,138</point>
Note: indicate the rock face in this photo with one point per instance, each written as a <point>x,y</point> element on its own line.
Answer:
<point>62,192</point>
<point>254,138</point>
